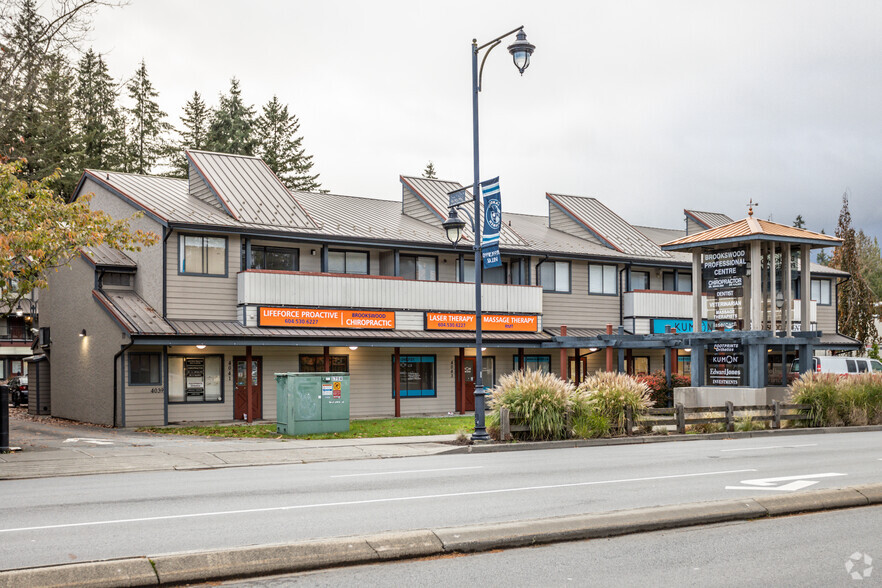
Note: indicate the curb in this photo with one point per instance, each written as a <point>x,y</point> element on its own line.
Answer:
<point>498,447</point>
<point>302,556</point>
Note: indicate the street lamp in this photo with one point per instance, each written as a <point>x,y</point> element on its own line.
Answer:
<point>520,50</point>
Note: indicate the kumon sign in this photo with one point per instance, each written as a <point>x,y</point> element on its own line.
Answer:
<point>453,321</point>
<point>325,318</point>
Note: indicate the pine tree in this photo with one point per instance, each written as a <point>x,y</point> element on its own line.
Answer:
<point>429,172</point>
<point>195,134</point>
<point>232,124</point>
<point>281,148</point>
<point>147,126</point>
<point>855,312</point>
<point>822,256</point>
<point>55,131</point>
<point>97,118</point>
<point>871,263</point>
<point>799,223</point>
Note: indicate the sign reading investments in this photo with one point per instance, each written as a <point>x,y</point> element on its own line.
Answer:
<point>449,321</point>
<point>725,364</point>
<point>324,318</point>
<point>724,277</point>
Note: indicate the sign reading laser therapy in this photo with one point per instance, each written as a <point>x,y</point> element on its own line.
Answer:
<point>452,321</point>
<point>724,278</point>
<point>492,223</point>
<point>324,318</point>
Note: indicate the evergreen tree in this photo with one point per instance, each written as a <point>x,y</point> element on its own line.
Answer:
<point>429,172</point>
<point>871,263</point>
<point>55,130</point>
<point>799,223</point>
<point>147,126</point>
<point>823,257</point>
<point>281,148</point>
<point>232,124</point>
<point>97,119</point>
<point>855,312</point>
<point>195,134</point>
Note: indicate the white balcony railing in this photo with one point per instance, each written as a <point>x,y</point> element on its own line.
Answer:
<point>649,304</point>
<point>258,287</point>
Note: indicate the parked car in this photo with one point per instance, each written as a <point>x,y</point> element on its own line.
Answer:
<point>841,365</point>
<point>18,390</point>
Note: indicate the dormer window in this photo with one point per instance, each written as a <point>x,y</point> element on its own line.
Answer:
<point>120,279</point>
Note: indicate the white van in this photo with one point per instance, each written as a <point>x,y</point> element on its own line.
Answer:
<point>840,365</point>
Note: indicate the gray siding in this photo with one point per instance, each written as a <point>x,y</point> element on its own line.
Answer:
<point>144,405</point>
<point>826,318</point>
<point>199,189</point>
<point>149,259</point>
<point>416,208</point>
<point>559,220</point>
<point>693,227</point>
<point>579,309</point>
<point>202,297</point>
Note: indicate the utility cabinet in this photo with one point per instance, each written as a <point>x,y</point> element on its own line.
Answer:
<point>315,402</point>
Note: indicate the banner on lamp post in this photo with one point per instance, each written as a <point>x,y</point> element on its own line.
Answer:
<point>492,223</point>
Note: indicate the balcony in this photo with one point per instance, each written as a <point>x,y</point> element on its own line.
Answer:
<point>275,288</point>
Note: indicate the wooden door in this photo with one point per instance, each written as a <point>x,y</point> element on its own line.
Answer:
<point>240,390</point>
<point>465,384</point>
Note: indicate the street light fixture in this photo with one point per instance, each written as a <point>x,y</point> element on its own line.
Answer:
<point>520,50</point>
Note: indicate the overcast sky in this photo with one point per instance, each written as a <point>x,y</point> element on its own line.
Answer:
<point>651,107</point>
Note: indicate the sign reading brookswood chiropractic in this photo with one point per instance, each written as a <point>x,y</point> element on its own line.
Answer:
<point>457,321</point>
<point>325,318</point>
<point>492,223</point>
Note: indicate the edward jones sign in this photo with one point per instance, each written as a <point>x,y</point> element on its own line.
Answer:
<point>324,318</point>
<point>453,321</point>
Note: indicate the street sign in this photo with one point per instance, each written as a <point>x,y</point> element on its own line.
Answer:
<point>795,482</point>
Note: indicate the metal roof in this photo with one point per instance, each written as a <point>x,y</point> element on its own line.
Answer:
<point>133,313</point>
<point>543,239</point>
<point>708,220</point>
<point>106,256</point>
<point>606,225</point>
<point>752,229</point>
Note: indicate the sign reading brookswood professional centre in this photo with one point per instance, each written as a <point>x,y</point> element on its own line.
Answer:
<point>455,321</point>
<point>724,273</point>
<point>325,318</point>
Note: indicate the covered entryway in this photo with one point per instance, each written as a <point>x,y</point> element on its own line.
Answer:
<point>240,389</point>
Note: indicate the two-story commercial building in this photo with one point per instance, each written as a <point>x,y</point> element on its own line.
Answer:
<point>247,272</point>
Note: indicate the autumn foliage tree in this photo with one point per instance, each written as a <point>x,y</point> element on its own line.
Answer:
<point>39,233</point>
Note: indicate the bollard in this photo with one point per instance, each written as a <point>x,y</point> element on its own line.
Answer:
<point>730,416</point>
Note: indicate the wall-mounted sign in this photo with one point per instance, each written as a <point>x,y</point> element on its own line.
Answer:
<point>452,321</point>
<point>681,325</point>
<point>325,318</point>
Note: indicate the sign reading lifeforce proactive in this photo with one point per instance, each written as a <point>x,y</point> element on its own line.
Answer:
<point>324,318</point>
<point>450,321</point>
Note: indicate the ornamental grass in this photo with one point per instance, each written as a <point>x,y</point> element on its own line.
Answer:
<point>609,393</point>
<point>836,401</point>
<point>537,399</point>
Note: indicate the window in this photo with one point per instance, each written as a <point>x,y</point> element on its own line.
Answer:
<point>639,280</point>
<point>821,292</point>
<point>417,376</point>
<point>850,366</point>
<point>554,276</point>
<point>203,256</point>
<point>602,279</point>
<point>348,262</point>
<point>144,369</point>
<point>677,281</point>
<point>117,279</point>
<point>285,259</point>
<point>641,365</point>
<point>862,366</point>
<point>15,367</point>
<point>418,267</point>
<point>684,364</point>
<point>493,275</point>
<point>536,363</point>
<point>316,363</point>
<point>875,365</point>
<point>195,379</point>
<point>2,369</point>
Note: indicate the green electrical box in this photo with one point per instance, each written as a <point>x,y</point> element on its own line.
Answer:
<point>316,402</point>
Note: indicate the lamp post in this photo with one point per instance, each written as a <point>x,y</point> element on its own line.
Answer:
<point>520,50</point>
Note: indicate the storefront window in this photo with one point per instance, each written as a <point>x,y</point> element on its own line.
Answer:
<point>417,376</point>
<point>535,363</point>
<point>195,379</point>
<point>144,369</point>
<point>316,363</point>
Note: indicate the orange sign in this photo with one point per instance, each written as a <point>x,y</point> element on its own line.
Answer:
<point>449,321</point>
<point>324,318</point>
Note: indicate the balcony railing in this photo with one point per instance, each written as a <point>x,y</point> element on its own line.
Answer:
<point>663,304</point>
<point>264,287</point>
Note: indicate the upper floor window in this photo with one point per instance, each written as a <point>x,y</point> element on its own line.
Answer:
<point>273,258</point>
<point>205,256</point>
<point>677,281</point>
<point>639,280</point>
<point>602,279</point>
<point>493,275</point>
<point>821,290</point>
<point>348,262</point>
<point>554,276</point>
<point>117,279</point>
<point>418,267</point>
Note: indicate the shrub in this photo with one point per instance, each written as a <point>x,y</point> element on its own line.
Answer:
<point>821,393</point>
<point>537,399</point>
<point>608,393</point>
<point>657,383</point>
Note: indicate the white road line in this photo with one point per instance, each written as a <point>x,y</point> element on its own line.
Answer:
<point>771,447</point>
<point>372,501</point>
<point>406,472</point>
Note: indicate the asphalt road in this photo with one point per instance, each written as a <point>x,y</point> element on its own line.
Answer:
<point>807,550</point>
<point>61,520</point>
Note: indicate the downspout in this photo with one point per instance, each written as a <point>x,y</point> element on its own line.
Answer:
<point>622,296</point>
<point>115,374</point>
<point>165,235</point>
<point>539,273</point>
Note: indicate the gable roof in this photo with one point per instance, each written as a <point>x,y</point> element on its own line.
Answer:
<point>708,220</point>
<point>606,225</point>
<point>106,256</point>
<point>752,229</point>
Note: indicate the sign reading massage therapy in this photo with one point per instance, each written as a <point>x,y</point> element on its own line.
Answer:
<point>451,321</point>
<point>324,318</point>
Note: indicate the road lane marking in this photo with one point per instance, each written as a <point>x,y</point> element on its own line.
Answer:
<point>798,483</point>
<point>406,472</point>
<point>771,447</point>
<point>370,501</point>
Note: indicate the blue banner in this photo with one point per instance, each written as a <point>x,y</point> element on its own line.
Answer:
<point>491,256</point>
<point>492,213</point>
<point>681,325</point>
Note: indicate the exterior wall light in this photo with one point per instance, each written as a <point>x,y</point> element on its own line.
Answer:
<point>82,333</point>
<point>353,347</point>
<point>200,346</point>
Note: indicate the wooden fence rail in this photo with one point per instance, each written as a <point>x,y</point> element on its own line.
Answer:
<point>681,416</point>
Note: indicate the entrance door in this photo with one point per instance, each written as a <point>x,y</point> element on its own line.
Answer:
<point>466,395</point>
<point>240,392</point>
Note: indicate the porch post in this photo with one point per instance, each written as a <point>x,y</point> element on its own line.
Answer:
<point>787,280</point>
<point>564,356</point>
<point>521,361</point>
<point>756,284</point>
<point>327,358</point>
<point>396,375</point>
<point>578,366</point>
<point>249,392</point>
<point>773,295</point>
<point>805,295</point>
<point>609,349</point>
